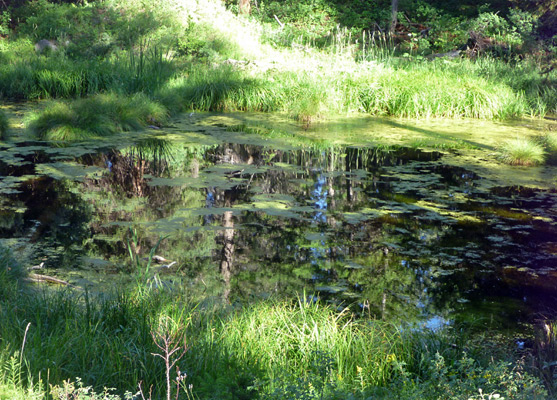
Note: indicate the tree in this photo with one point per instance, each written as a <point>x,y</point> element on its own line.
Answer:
<point>394,16</point>
<point>244,6</point>
<point>546,10</point>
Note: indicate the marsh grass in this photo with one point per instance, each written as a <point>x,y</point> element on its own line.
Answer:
<point>286,338</point>
<point>415,90</point>
<point>521,151</point>
<point>100,115</point>
<point>57,76</point>
<point>219,89</point>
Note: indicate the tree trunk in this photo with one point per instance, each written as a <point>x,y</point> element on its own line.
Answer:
<point>244,6</point>
<point>394,16</point>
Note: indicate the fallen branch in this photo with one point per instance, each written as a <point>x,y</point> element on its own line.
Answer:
<point>278,20</point>
<point>49,279</point>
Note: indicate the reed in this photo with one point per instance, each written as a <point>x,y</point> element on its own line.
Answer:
<point>426,90</point>
<point>56,76</point>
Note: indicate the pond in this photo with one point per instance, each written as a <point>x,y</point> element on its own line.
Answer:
<point>402,220</point>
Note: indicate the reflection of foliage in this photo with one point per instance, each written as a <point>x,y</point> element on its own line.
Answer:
<point>63,218</point>
<point>155,151</point>
<point>3,124</point>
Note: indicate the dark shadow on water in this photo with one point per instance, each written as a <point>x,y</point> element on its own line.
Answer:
<point>434,135</point>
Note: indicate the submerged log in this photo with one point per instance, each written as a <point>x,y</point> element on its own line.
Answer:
<point>49,279</point>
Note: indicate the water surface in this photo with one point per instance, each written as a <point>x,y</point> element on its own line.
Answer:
<point>402,220</point>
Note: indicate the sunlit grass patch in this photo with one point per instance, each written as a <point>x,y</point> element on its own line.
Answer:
<point>438,91</point>
<point>137,111</point>
<point>70,121</point>
<point>521,151</point>
<point>287,338</point>
<point>99,115</point>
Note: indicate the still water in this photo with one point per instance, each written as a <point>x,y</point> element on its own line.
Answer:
<point>351,212</point>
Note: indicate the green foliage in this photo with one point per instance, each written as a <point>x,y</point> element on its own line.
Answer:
<point>202,42</point>
<point>98,29</point>
<point>5,19</point>
<point>465,377</point>
<point>513,31</point>
<point>521,151</point>
<point>523,23</point>
<point>491,24</point>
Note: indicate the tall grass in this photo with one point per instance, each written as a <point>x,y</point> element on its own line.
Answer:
<point>305,81</point>
<point>545,351</point>
<point>56,76</point>
<point>286,338</point>
<point>409,90</point>
<point>98,115</point>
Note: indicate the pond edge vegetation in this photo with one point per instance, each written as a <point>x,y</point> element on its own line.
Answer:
<point>64,341</point>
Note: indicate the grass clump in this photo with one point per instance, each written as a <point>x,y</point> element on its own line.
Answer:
<point>521,151</point>
<point>4,124</point>
<point>100,115</point>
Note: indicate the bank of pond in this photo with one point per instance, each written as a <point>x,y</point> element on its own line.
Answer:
<point>70,343</point>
